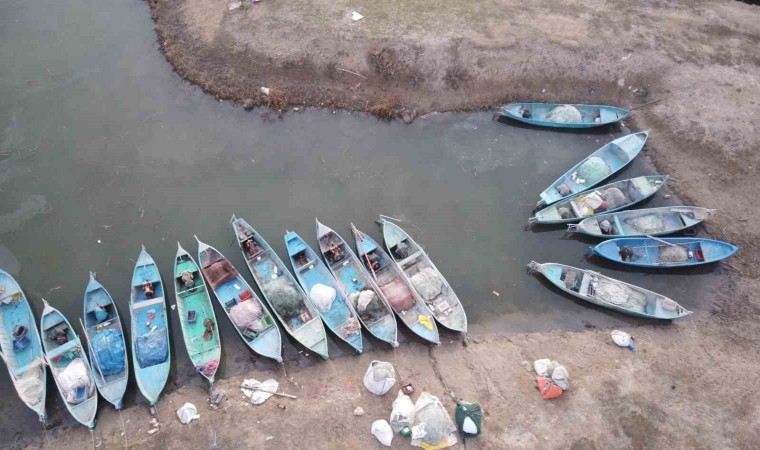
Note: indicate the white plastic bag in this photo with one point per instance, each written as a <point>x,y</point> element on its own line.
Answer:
<point>382,431</point>
<point>380,377</point>
<point>323,296</point>
<point>187,413</point>
<point>543,367</point>
<point>259,391</point>
<point>402,413</point>
<point>560,377</point>
<point>622,339</point>
<point>365,298</point>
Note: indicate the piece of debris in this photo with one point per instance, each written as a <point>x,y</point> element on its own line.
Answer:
<point>216,397</point>
<point>153,431</point>
<point>380,377</point>
<point>382,431</point>
<point>526,366</point>
<point>496,293</point>
<point>187,413</point>
<point>99,241</point>
<point>269,438</point>
<point>174,307</point>
<point>622,339</point>
<point>667,196</point>
<point>234,4</point>
<point>621,82</point>
<point>359,411</point>
<point>248,104</point>
<point>356,16</point>
<point>264,90</point>
<point>281,406</point>
<point>626,57</point>
<point>259,391</point>
<point>407,389</point>
<point>552,379</point>
<point>402,412</point>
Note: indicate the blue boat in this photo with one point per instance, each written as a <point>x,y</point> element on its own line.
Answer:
<point>21,346</point>
<point>315,280</point>
<point>288,301</point>
<point>546,114</point>
<point>150,329</point>
<point>366,298</point>
<point>665,252</point>
<point>601,290</point>
<point>596,168</point>
<point>106,344</point>
<point>407,305</point>
<point>642,222</point>
<point>66,357</point>
<point>249,315</point>
<point>424,277</point>
<point>604,199</point>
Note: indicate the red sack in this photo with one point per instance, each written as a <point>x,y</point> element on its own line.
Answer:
<point>547,388</point>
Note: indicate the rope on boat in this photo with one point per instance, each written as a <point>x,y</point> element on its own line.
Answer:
<point>92,436</point>
<point>123,430</point>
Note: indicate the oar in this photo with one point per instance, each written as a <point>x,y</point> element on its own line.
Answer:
<point>364,252</point>
<point>647,104</point>
<point>243,386</point>
<point>666,242</point>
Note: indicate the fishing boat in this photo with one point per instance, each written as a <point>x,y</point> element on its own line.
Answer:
<point>366,298</point>
<point>665,252</point>
<point>105,341</point>
<point>642,222</point>
<point>424,277</point>
<point>324,292</point>
<point>248,314</point>
<point>597,167</point>
<point>610,293</point>
<point>196,315</point>
<point>407,305</point>
<point>21,346</point>
<point>69,366</point>
<point>554,115</point>
<point>287,300</point>
<point>608,198</point>
<point>150,329</point>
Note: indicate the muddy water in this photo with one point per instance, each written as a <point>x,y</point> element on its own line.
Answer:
<point>104,148</point>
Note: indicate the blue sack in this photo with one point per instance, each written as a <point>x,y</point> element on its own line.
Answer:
<point>152,348</point>
<point>108,346</point>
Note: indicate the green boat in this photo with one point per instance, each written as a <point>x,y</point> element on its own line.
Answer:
<point>196,315</point>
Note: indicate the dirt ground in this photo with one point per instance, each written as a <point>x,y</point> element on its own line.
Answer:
<point>691,384</point>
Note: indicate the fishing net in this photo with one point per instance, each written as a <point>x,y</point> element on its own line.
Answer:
<point>284,297</point>
<point>564,114</point>
<point>614,197</point>
<point>672,254</point>
<point>619,294</point>
<point>427,283</point>
<point>152,348</point>
<point>247,315</point>
<point>647,224</point>
<point>108,346</point>
<point>323,296</point>
<point>431,416</point>
<point>30,385</point>
<point>592,171</point>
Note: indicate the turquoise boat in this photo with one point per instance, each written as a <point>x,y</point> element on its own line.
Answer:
<point>642,222</point>
<point>150,329</point>
<point>106,345</point>
<point>424,277</point>
<point>288,301</point>
<point>665,252</point>
<point>544,114</point>
<point>21,346</point>
<point>597,167</point>
<point>601,290</point>
<point>69,366</point>
<point>317,281</point>
<point>407,305</point>
<point>196,315</point>
<point>604,199</point>
<point>249,315</point>
<point>366,298</point>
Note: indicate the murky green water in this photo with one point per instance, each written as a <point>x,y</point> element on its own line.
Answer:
<point>104,148</point>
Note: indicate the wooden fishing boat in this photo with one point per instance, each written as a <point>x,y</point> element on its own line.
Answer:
<point>105,342</point>
<point>69,366</point>
<point>540,114</point>
<point>248,314</point>
<point>150,329</point>
<point>642,222</point>
<point>196,315</point>
<point>407,305</point>
<point>665,252</point>
<point>288,301</point>
<point>21,346</point>
<point>424,277</point>
<point>366,298</point>
<point>316,280</point>
<point>595,168</point>
<point>608,198</point>
<point>610,293</point>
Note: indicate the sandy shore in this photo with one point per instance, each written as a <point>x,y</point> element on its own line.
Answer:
<point>688,385</point>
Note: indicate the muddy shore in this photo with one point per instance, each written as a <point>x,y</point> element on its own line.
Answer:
<point>690,384</point>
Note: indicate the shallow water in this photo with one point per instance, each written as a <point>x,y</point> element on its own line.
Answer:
<point>108,149</point>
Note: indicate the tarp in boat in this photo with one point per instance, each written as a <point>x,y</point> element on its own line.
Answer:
<point>152,348</point>
<point>108,347</point>
<point>75,381</point>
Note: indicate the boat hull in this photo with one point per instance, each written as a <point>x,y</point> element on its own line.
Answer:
<point>589,113</point>
<point>658,253</point>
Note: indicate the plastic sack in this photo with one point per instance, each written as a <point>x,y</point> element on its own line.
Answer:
<point>382,431</point>
<point>152,348</point>
<point>432,425</point>
<point>259,391</point>
<point>187,413</point>
<point>564,114</point>
<point>547,388</point>
<point>402,413</point>
<point>560,377</point>
<point>380,377</point>
<point>108,346</point>
<point>543,367</point>
<point>247,314</point>
<point>365,298</point>
<point>469,418</point>
<point>622,339</point>
<point>427,283</point>
<point>322,296</point>
<point>75,376</point>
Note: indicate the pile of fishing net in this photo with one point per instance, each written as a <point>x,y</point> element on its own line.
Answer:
<point>672,254</point>
<point>592,171</point>
<point>284,296</point>
<point>247,316</point>
<point>647,224</point>
<point>564,114</point>
<point>427,283</point>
